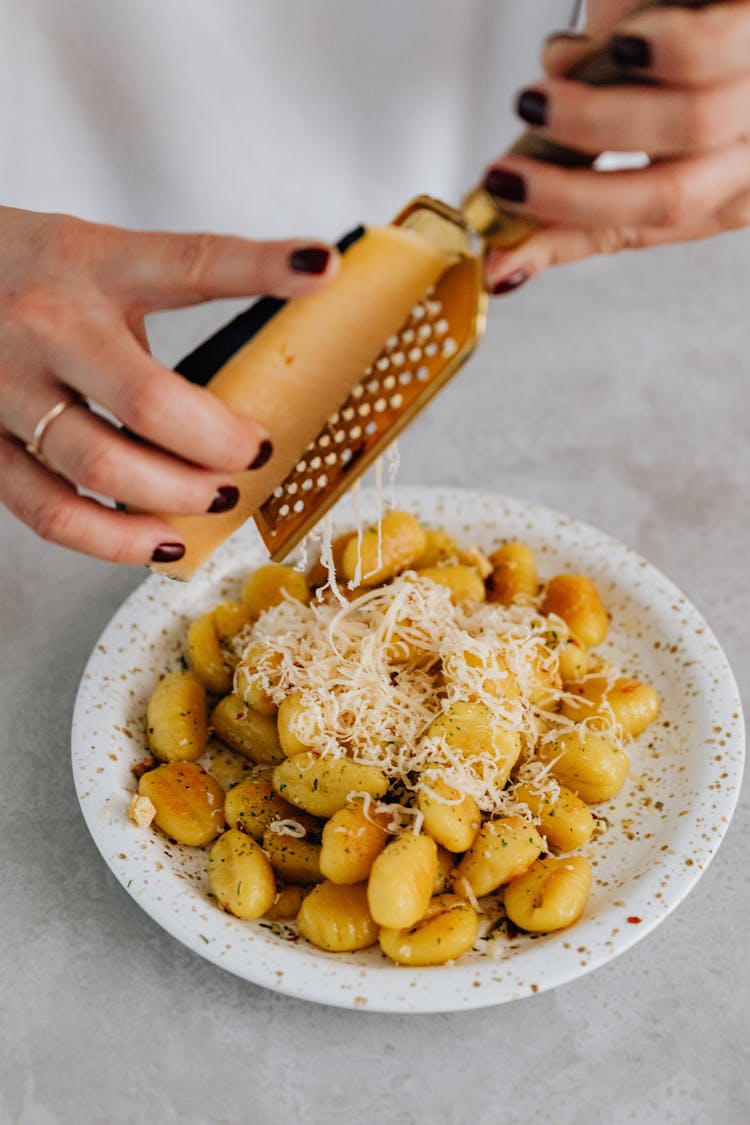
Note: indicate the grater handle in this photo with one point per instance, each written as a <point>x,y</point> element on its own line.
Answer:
<point>507,228</point>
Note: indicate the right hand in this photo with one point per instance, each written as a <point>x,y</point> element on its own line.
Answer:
<point>73,298</point>
<point>687,107</point>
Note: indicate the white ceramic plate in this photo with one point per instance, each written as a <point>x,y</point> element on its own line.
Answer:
<point>665,826</point>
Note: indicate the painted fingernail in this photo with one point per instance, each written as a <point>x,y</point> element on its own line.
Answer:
<point>225,499</point>
<point>168,552</point>
<point>630,50</point>
<point>310,259</point>
<point>509,283</point>
<point>264,455</point>
<point>505,185</point>
<point>531,105</point>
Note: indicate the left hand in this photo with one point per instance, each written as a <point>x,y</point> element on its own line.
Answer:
<point>692,119</point>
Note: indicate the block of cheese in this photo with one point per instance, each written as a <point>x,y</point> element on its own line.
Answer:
<point>302,365</point>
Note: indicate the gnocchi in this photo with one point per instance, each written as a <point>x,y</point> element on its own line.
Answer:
<point>627,702</point>
<point>253,804</point>
<point>513,576</point>
<point>189,803</point>
<point>575,599</point>
<point>336,917</point>
<point>269,585</point>
<point>251,734</point>
<point>550,895</point>
<point>503,849</point>
<point>240,875</point>
<point>401,880</point>
<point>411,754</point>
<point>321,786</point>
<point>385,549</point>
<point>293,848</point>
<point>353,839</point>
<point>176,720</point>
<point>448,928</point>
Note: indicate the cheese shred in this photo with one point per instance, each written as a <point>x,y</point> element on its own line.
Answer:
<point>375,672</point>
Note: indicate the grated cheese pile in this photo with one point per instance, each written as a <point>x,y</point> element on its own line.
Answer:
<point>375,672</point>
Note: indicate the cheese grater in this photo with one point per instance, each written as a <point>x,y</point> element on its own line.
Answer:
<point>437,337</point>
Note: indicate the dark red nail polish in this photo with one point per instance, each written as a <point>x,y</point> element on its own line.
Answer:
<point>630,50</point>
<point>310,259</point>
<point>531,105</point>
<point>509,283</point>
<point>168,552</point>
<point>505,185</point>
<point>264,455</point>
<point>225,499</point>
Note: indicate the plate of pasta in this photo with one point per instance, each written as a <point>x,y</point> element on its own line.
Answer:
<point>469,751</point>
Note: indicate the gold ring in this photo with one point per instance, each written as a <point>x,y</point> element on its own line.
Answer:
<point>34,447</point>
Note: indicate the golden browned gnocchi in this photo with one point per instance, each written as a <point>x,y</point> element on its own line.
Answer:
<point>189,803</point>
<point>352,840</point>
<point>251,734</point>
<point>575,599</point>
<point>565,821</point>
<point>439,547</point>
<point>513,576</point>
<point>629,703</point>
<point>464,582</point>
<point>240,875</point>
<point>291,711</point>
<point>251,688</point>
<point>286,905</point>
<point>270,584</point>
<point>385,549</point>
<point>206,657</point>
<point>321,786</point>
<point>209,645</point>
<point>401,880</point>
<point>471,729</point>
<point>452,818</point>
<point>572,661</point>
<point>502,849</point>
<point>448,928</point>
<point>176,719</point>
<point>410,751</point>
<point>550,895</point>
<point>336,917</point>
<point>444,871</point>
<point>592,765</point>
<point>253,804</point>
<point>293,847</point>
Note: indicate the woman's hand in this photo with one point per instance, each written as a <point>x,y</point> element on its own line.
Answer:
<point>691,116</point>
<point>73,297</point>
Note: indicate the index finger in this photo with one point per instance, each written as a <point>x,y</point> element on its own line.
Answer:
<point>159,270</point>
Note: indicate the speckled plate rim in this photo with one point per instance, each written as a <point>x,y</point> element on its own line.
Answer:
<point>638,882</point>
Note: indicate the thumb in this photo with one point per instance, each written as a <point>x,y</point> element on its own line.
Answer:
<point>158,270</point>
<point>505,270</point>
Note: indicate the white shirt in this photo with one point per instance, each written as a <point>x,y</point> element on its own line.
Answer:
<point>258,117</point>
